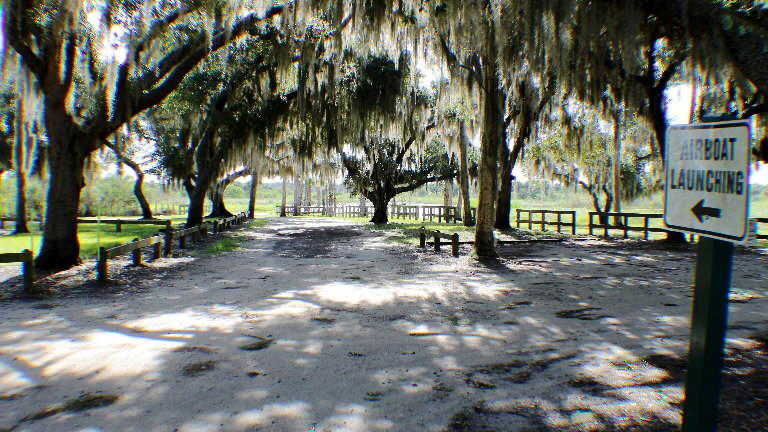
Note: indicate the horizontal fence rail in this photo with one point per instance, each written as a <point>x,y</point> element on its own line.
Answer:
<point>415,212</point>
<point>163,242</point>
<point>436,236</point>
<point>25,257</point>
<point>758,222</point>
<point>543,222</point>
<point>120,222</point>
<point>3,220</point>
<point>624,225</point>
<point>134,248</point>
<point>404,211</point>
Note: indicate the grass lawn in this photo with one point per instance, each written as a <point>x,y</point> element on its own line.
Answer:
<point>91,237</point>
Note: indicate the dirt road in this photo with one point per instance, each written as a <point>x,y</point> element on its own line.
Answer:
<point>322,325</point>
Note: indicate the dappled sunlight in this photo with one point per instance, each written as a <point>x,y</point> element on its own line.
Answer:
<point>356,294</point>
<point>252,395</point>
<point>354,418</point>
<point>13,379</point>
<point>289,307</point>
<point>216,317</point>
<point>345,338</point>
<point>295,412</point>
<point>103,355</point>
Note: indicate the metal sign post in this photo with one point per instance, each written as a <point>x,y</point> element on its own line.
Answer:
<point>708,327</point>
<point>707,193</point>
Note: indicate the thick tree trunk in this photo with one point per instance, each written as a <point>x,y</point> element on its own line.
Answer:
<point>447,196</point>
<point>21,173</point>
<point>284,199</point>
<point>467,218</point>
<point>363,207</point>
<point>21,192</point>
<point>138,185</point>
<point>196,207</point>
<point>216,194</point>
<point>656,105</point>
<point>218,208</point>
<point>380,214</point>
<point>138,191</point>
<point>308,192</point>
<point>504,203</point>
<point>60,248</point>
<point>252,195</point>
<point>297,194</point>
<point>493,121</point>
<point>617,164</point>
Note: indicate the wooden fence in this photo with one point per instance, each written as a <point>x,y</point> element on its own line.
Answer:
<point>544,223</point>
<point>120,222</point>
<point>437,235</point>
<point>135,247</point>
<point>163,242</point>
<point>3,220</point>
<point>624,225</point>
<point>25,257</point>
<point>404,212</point>
<point>442,213</point>
<point>303,210</point>
<point>759,221</point>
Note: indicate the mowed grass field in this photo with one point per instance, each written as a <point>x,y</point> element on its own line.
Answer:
<point>93,236</point>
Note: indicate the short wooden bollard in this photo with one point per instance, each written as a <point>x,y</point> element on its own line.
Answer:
<point>455,244</point>
<point>102,267</point>
<point>168,241</point>
<point>157,251</point>
<point>136,255</point>
<point>28,270</point>
<point>422,239</point>
<point>437,241</point>
<point>182,241</point>
<point>215,226</point>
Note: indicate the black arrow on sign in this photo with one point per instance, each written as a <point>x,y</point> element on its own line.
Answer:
<point>699,210</point>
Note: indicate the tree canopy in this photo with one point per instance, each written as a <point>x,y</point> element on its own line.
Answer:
<point>220,84</point>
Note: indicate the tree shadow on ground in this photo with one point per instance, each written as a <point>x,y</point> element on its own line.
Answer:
<point>539,341</point>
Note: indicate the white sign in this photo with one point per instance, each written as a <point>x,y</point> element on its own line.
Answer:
<point>707,179</point>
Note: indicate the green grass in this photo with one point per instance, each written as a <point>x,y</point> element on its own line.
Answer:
<point>91,237</point>
<point>226,244</point>
<point>258,222</point>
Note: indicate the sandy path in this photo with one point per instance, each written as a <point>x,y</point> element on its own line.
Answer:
<point>367,335</point>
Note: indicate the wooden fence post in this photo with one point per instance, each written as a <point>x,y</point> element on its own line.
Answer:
<point>136,254</point>
<point>590,222</point>
<point>455,244</point>
<point>157,251</point>
<point>530,220</point>
<point>422,239</point>
<point>605,226</point>
<point>168,241</point>
<point>437,241</point>
<point>28,270</point>
<point>118,227</point>
<point>558,222</point>
<point>102,267</point>
<point>645,227</point>
<point>573,222</point>
<point>626,223</point>
<point>518,217</point>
